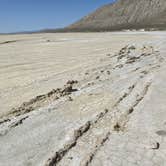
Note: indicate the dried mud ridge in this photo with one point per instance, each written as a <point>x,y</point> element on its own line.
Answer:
<point>117,126</point>
<point>39,101</point>
<point>9,41</point>
<point>42,100</point>
<point>116,116</point>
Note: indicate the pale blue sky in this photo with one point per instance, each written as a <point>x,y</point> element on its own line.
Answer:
<point>27,15</point>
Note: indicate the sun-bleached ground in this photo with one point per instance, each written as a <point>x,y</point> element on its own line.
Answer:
<point>34,64</point>
<point>112,115</point>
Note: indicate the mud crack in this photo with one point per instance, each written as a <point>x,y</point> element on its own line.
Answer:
<point>97,148</point>
<point>120,125</point>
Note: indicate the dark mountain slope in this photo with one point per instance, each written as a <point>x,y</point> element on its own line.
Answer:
<point>124,14</point>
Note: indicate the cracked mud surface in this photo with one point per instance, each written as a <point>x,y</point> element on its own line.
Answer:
<point>109,112</point>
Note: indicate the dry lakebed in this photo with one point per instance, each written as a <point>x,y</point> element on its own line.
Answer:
<point>83,99</point>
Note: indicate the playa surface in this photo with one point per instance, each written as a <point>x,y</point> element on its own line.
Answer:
<point>88,99</point>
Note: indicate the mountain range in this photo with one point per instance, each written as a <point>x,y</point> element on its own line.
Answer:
<point>123,14</point>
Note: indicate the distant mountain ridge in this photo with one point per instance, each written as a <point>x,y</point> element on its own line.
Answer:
<point>124,14</point>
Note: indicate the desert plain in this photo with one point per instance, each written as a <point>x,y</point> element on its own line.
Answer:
<point>83,99</point>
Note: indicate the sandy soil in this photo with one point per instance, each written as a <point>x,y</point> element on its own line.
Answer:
<point>112,115</point>
<point>35,64</point>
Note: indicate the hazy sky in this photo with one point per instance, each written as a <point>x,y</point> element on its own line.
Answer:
<point>26,15</point>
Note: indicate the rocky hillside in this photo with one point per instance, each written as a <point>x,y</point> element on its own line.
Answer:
<point>124,14</point>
